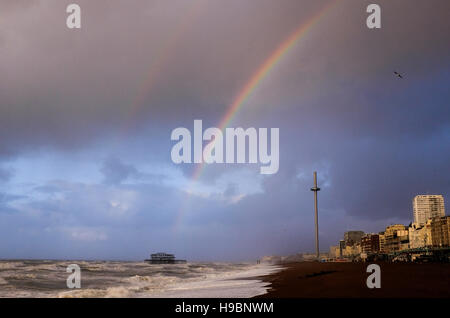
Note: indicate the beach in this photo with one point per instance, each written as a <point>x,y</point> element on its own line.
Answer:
<point>348,280</point>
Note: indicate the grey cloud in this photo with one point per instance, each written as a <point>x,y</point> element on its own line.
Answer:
<point>6,174</point>
<point>66,89</point>
<point>6,199</point>
<point>115,171</point>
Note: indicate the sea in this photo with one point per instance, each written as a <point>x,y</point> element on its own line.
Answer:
<point>108,279</point>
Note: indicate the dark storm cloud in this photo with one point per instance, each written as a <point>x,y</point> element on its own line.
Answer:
<point>145,62</point>
<point>132,63</point>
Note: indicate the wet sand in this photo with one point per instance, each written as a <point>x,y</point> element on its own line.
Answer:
<point>348,280</point>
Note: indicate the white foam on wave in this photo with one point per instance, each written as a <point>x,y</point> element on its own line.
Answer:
<point>112,292</point>
<point>24,276</point>
<point>236,284</point>
<point>9,265</point>
<point>3,281</point>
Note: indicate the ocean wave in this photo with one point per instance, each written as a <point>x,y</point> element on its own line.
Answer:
<point>235,283</point>
<point>43,267</point>
<point>134,279</point>
<point>21,276</point>
<point>112,292</point>
<point>10,265</point>
<point>155,281</point>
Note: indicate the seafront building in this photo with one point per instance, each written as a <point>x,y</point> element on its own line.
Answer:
<point>353,237</point>
<point>341,248</point>
<point>352,251</point>
<point>396,238</point>
<point>370,244</point>
<point>426,207</point>
<point>429,234</point>
<point>440,231</point>
<point>334,252</point>
<point>382,240</point>
<point>420,235</point>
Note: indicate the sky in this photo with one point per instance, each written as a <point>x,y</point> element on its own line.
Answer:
<point>86,117</point>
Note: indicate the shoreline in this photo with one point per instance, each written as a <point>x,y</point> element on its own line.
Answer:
<point>348,280</point>
<point>247,283</point>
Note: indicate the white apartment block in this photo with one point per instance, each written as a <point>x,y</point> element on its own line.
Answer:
<point>426,207</point>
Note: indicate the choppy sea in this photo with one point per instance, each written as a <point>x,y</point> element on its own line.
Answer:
<point>39,278</point>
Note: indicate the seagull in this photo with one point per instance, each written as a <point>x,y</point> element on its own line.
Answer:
<point>398,74</point>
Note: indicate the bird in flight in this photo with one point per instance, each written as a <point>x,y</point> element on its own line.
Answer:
<point>398,74</point>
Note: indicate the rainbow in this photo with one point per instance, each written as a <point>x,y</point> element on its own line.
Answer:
<point>252,84</point>
<point>263,71</point>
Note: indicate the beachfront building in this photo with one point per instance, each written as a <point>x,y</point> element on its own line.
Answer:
<point>426,207</point>
<point>335,251</point>
<point>396,238</point>
<point>353,237</point>
<point>440,231</point>
<point>382,240</point>
<point>345,251</point>
<point>420,235</point>
<point>341,248</point>
<point>351,251</point>
<point>370,244</point>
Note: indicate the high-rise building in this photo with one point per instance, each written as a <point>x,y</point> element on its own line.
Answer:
<point>382,240</point>
<point>370,244</point>
<point>426,207</point>
<point>353,237</point>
